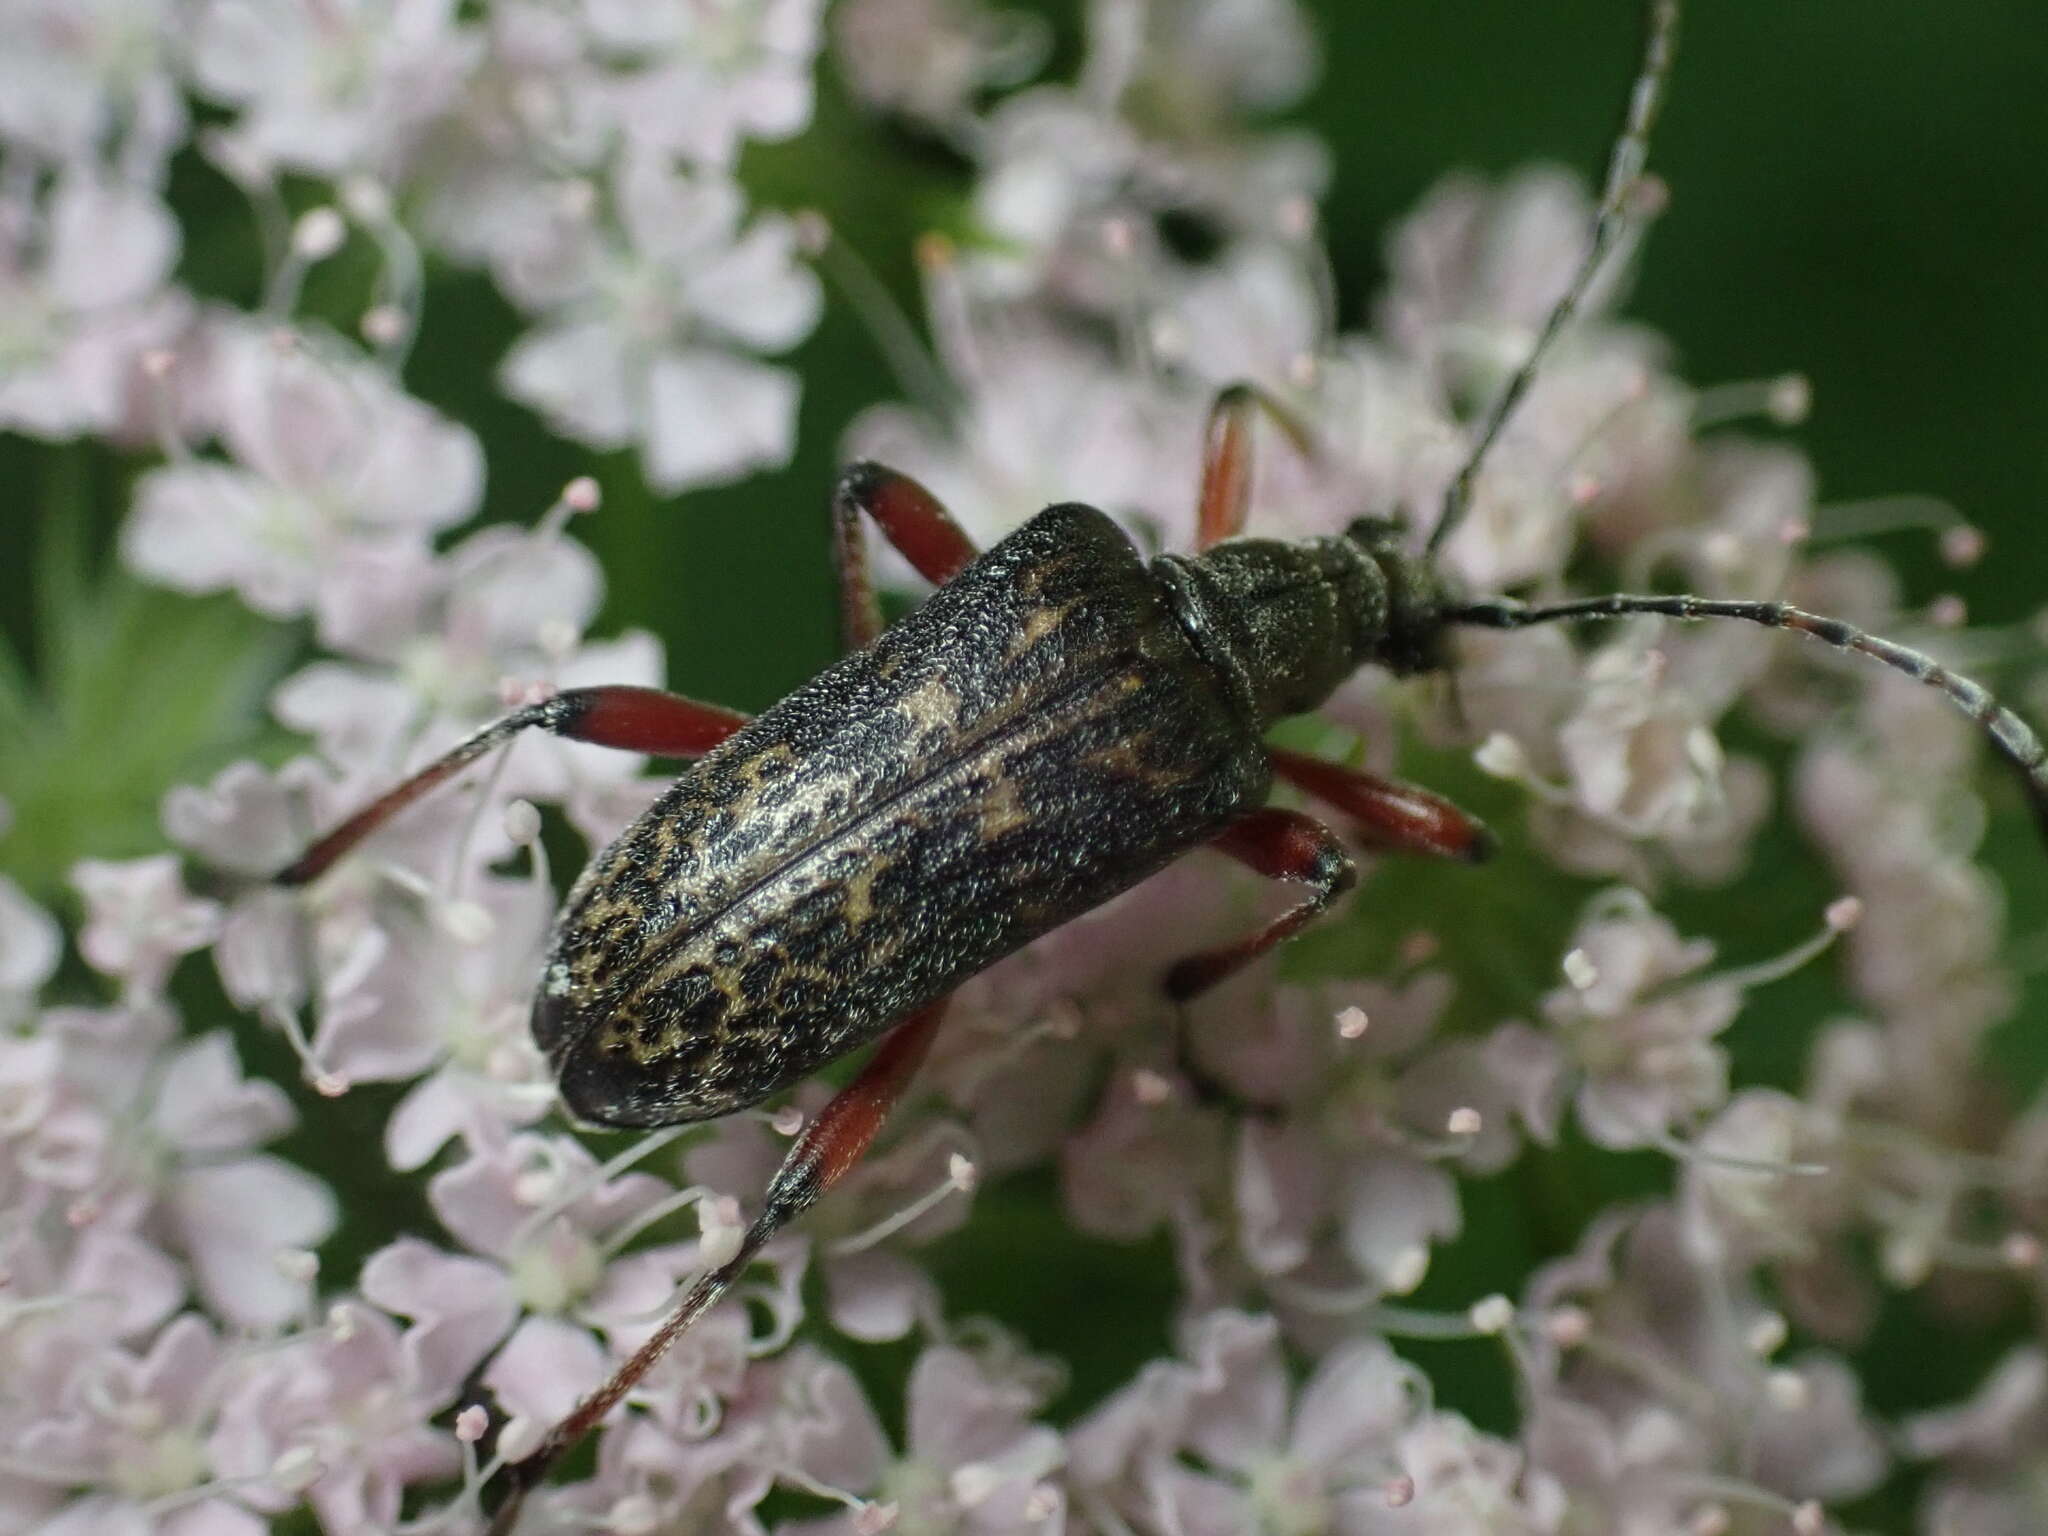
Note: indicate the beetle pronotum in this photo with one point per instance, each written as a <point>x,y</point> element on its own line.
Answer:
<point>1059,720</point>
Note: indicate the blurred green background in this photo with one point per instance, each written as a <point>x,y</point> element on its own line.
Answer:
<point>1858,195</point>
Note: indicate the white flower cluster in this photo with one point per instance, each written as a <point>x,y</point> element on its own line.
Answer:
<point>174,1357</point>
<point>585,154</point>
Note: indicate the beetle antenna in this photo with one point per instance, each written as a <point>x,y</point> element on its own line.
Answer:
<point>1624,174</point>
<point>2010,735</point>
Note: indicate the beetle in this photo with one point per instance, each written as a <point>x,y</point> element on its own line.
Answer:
<point>1060,719</point>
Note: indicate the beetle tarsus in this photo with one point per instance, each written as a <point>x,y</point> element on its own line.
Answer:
<point>823,1153</point>
<point>1281,845</point>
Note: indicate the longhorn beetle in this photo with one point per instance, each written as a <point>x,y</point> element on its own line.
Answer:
<point>1059,720</point>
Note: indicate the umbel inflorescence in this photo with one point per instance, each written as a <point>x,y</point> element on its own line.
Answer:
<point>174,1354</point>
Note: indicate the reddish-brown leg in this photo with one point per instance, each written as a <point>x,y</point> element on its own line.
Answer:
<point>827,1148</point>
<point>1227,458</point>
<point>632,719</point>
<point>1389,816</point>
<point>911,518</point>
<point>1281,845</point>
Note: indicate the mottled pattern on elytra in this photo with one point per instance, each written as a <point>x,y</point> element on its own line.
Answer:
<point>1038,736</point>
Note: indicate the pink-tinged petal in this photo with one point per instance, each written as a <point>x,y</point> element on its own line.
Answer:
<point>1360,1398</point>
<point>1255,310</point>
<point>1000,1493</point>
<point>676,220</point>
<point>340,448</point>
<point>339,1393</point>
<point>1588,1269</point>
<point>234,1220</point>
<point>1401,1015</point>
<point>355,715</point>
<point>419,470</point>
<point>259,954</point>
<point>31,944</point>
<point>1281,1184</point>
<point>202,527</point>
<point>756,292</point>
<point>476,1200</point>
<point>715,418</point>
<point>69,1438</point>
<point>1394,1207</point>
<point>925,58</point>
<point>248,819</point>
<point>1139,1425</point>
<point>1125,1174</point>
<point>833,1436</point>
<point>205,1104</point>
<point>737,1158</point>
<point>382,1004</point>
<point>574,375</point>
<point>1268,1048</point>
<point>1529,1065</point>
<point>285,411</point>
<point>30,1068</point>
<point>1825,1447</point>
<point>109,243</point>
<point>433,1112</point>
<point>1515,1073</point>
<point>70,1148</point>
<point>689,1480</point>
<point>505,587</point>
<point>178,1371</point>
<point>875,1296</point>
<point>1194,1504</point>
<point>212,1517</point>
<point>239,48</point>
<point>841,1524</point>
<point>1574,1442</point>
<point>460,1307</point>
<point>490,1201</point>
<point>960,1412</point>
<point>367,1495</point>
<point>373,595</point>
<point>545,1369</point>
<point>1240,1416</point>
<point>118,1271</point>
<point>451,1103</point>
<point>140,918</point>
<point>98,1515</point>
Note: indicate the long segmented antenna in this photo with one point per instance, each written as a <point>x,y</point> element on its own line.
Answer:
<point>2014,739</point>
<point>1624,173</point>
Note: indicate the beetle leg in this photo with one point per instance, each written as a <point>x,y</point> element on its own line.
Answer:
<point>1281,845</point>
<point>1227,458</point>
<point>632,719</point>
<point>911,518</point>
<point>830,1145</point>
<point>1388,815</point>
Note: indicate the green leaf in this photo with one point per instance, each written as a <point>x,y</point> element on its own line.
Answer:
<point>131,690</point>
